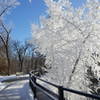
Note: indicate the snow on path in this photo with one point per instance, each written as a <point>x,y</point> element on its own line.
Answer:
<point>18,90</point>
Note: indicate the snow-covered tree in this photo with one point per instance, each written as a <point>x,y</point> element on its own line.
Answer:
<point>68,36</point>
<point>93,73</point>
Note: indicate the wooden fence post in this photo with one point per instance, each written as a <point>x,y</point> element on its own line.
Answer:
<point>61,93</point>
<point>34,88</point>
<point>30,84</point>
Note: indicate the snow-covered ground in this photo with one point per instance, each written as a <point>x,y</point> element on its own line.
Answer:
<point>2,78</point>
<point>13,77</point>
<point>5,78</point>
<point>15,90</point>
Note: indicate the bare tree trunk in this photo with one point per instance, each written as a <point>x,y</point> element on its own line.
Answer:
<point>5,42</point>
<point>8,60</point>
<point>21,66</point>
<point>36,63</point>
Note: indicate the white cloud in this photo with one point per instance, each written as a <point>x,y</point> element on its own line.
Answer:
<point>30,1</point>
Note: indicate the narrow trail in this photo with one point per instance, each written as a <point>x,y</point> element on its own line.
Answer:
<point>18,90</point>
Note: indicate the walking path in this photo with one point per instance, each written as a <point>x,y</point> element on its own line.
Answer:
<point>18,90</point>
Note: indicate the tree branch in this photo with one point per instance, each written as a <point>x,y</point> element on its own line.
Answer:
<point>4,10</point>
<point>2,40</point>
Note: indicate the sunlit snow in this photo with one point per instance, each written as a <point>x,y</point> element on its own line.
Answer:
<point>15,90</point>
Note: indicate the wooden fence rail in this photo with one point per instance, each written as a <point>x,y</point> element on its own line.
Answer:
<point>55,96</point>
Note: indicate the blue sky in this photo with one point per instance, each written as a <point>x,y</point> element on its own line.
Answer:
<point>27,13</point>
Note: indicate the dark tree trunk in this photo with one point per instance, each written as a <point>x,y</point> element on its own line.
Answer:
<point>8,59</point>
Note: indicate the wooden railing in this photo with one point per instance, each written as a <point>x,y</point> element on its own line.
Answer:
<point>55,96</point>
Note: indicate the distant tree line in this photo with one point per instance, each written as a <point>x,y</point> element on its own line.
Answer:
<point>14,55</point>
